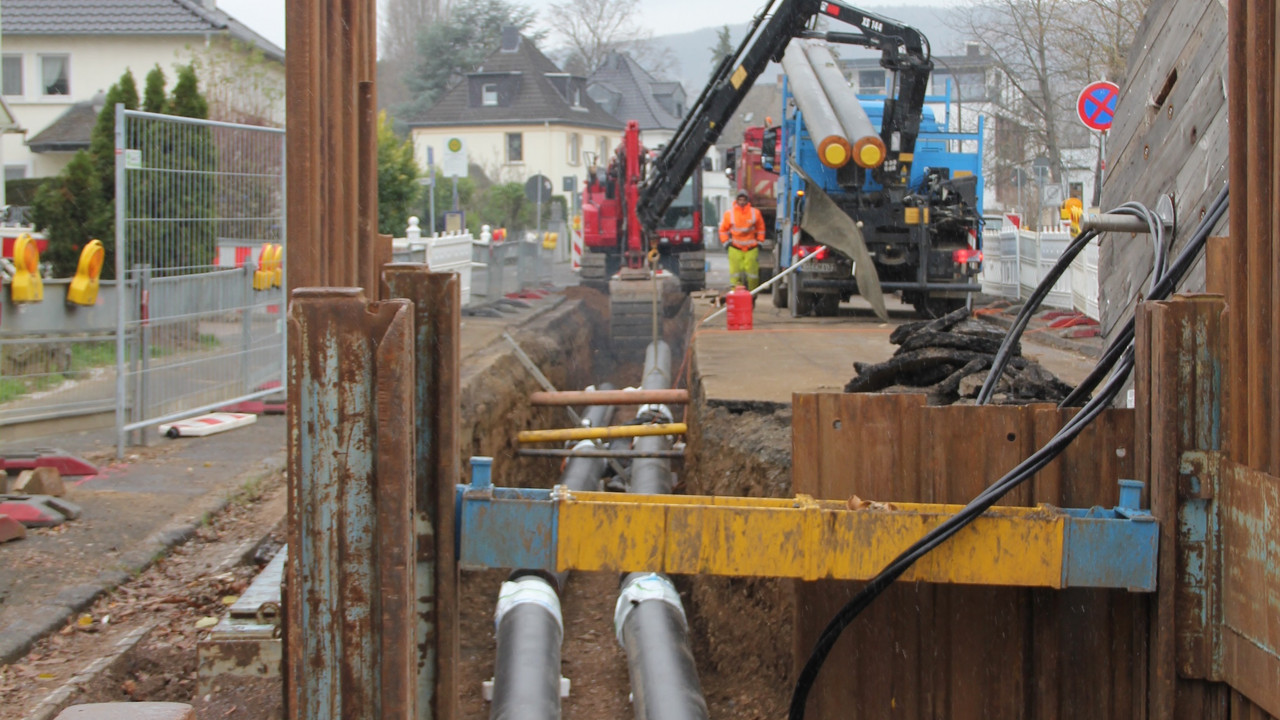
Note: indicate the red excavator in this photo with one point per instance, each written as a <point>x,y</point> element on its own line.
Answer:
<point>615,255</point>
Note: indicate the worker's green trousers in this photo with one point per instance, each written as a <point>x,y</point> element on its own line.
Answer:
<point>744,267</point>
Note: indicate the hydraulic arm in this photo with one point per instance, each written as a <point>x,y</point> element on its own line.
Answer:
<point>904,52</point>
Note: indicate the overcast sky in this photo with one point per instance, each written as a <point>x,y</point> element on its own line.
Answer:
<point>267,16</point>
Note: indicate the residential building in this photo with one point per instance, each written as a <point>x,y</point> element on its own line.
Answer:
<point>59,55</point>
<point>629,92</point>
<point>519,115</point>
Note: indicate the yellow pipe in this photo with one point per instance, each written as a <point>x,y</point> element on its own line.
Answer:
<point>804,538</point>
<point>602,433</point>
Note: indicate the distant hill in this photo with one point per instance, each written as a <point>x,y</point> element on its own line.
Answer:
<point>691,51</point>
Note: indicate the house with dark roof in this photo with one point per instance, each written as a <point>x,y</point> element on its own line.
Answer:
<point>58,55</point>
<point>628,92</point>
<point>519,115</point>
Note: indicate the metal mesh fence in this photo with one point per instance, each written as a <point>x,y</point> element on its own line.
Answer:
<point>200,223</point>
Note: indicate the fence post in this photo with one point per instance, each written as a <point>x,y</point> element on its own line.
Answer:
<point>349,591</point>
<point>143,397</point>
<point>246,329</point>
<point>436,301</point>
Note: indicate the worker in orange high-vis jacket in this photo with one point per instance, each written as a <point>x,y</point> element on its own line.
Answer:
<point>742,231</point>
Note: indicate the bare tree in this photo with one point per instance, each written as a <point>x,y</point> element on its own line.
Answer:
<point>593,28</point>
<point>401,23</point>
<point>1046,51</point>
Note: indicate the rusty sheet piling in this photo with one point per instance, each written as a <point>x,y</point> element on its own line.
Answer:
<point>437,303</point>
<point>350,579</point>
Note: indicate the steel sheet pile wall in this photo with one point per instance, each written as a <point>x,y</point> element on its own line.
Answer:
<point>349,647</point>
<point>333,174</point>
<point>932,651</point>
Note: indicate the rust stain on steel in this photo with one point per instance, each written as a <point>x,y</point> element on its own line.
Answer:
<point>332,160</point>
<point>437,309</point>
<point>350,468</point>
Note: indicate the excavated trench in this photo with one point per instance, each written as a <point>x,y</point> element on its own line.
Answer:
<point>739,627</point>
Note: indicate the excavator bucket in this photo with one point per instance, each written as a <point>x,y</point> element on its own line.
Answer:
<point>636,299</point>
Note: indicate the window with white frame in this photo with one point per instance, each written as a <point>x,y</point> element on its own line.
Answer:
<point>577,97</point>
<point>489,94</point>
<point>515,147</point>
<point>15,172</point>
<point>573,149</point>
<point>12,72</point>
<point>604,150</point>
<point>55,75</point>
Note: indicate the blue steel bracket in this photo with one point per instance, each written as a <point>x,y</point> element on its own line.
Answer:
<point>1113,548</point>
<point>519,528</point>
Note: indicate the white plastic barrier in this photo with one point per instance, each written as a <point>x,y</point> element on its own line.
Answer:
<point>1000,264</point>
<point>452,253</point>
<point>1084,281</point>
<point>1052,245</point>
<point>443,253</point>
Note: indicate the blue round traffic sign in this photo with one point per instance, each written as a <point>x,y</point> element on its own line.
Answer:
<point>1096,105</point>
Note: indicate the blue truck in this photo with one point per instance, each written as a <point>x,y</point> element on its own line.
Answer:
<point>922,225</point>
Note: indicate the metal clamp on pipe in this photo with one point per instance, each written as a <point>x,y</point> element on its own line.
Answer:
<point>642,587</point>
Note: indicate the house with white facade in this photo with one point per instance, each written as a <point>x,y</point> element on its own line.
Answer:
<point>59,55</point>
<point>519,115</point>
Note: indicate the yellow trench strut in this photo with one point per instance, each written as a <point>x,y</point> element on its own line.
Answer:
<point>1017,546</point>
<point>600,433</point>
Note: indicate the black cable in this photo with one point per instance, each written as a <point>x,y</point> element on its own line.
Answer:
<point>1164,287</point>
<point>1123,363</point>
<point>1028,310</point>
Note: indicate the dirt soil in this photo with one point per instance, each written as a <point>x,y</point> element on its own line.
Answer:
<point>196,580</point>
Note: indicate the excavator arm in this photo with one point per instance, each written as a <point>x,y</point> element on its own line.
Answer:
<point>904,51</point>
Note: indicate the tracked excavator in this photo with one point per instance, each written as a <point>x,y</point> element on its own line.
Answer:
<point>626,202</point>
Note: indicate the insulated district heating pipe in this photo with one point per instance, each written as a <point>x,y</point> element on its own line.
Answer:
<point>649,618</point>
<point>868,147</point>
<point>528,621</point>
<point>834,149</point>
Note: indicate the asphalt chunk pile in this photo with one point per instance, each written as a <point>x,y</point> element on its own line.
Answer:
<point>948,359</point>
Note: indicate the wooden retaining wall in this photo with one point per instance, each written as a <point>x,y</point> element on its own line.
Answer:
<point>1170,137</point>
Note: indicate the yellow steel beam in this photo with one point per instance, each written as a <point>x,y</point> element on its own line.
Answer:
<point>804,538</point>
<point>600,433</point>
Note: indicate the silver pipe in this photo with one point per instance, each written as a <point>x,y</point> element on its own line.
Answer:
<point>649,619</point>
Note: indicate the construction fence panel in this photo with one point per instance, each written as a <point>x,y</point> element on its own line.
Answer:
<point>57,359</point>
<point>200,222</point>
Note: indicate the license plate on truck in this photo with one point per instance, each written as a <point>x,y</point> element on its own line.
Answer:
<point>819,267</point>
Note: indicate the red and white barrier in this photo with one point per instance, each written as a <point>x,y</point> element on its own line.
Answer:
<point>576,254</point>
<point>210,424</point>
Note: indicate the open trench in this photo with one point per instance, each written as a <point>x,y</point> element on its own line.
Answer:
<point>739,628</point>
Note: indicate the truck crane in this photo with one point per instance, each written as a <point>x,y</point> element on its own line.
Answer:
<point>648,187</point>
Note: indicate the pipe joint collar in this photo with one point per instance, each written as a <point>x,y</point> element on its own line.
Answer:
<point>655,413</point>
<point>643,588</point>
<point>527,589</point>
<point>586,445</point>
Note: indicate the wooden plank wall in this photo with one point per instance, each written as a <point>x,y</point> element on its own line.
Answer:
<point>925,651</point>
<point>1170,137</point>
